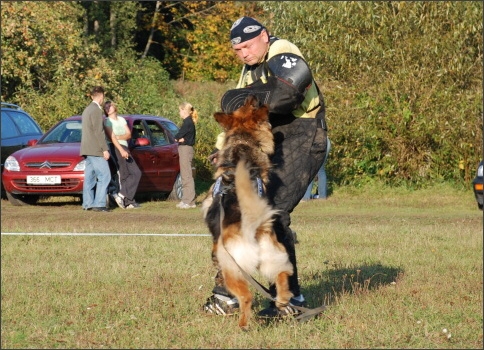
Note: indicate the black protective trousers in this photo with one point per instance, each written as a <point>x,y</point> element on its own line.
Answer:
<point>300,148</point>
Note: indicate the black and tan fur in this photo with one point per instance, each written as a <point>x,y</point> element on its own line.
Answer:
<point>238,216</point>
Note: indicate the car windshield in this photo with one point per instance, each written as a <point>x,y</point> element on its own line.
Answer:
<point>65,132</point>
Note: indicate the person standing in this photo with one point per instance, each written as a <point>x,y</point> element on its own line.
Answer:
<point>275,71</point>
<point>118,134</point>
<point>322,181</point>
<point>96,153</point>
<point>186,139</point>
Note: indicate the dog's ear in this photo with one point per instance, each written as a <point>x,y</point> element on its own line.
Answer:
<point>252,101</point>
<point>225,120</point>
<point>258,112</point>
<point>261,114</point>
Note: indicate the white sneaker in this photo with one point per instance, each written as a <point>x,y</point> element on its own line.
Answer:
<point>133,206</point>
<point>119,201</point>
<point>185,206</point>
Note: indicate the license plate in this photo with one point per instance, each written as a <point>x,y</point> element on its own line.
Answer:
<point>44,180</point>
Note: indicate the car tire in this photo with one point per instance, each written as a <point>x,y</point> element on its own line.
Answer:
<point>176,193</point>
<point>19,199</point>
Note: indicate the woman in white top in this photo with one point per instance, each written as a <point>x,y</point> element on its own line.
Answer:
<point>118,135</point>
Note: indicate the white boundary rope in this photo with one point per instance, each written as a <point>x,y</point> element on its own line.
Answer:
<point>104,234</point>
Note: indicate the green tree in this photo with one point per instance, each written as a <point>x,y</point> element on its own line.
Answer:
<point>111,24</point>
<point>403,84</point>
<point>37,41</point>
<point>45,63</point>
<point>50,60</point>
<point>191,38</point>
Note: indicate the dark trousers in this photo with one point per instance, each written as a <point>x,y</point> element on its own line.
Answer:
<point>129,176</point>
<point>300,149</point>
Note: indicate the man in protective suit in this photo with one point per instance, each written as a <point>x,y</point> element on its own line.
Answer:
<point>276,72</point>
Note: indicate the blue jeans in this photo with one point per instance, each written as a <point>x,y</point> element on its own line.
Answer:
<point>322,180</point>
<point>96,180</point>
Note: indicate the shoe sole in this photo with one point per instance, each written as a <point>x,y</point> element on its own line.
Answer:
<point>220,312</point>
<point>212,307</point>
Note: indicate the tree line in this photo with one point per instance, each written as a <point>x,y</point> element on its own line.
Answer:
<point>402,80</point>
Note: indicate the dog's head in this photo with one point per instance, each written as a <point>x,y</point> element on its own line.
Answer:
<point>249,123</point>
<point>248,137</point>
<point>248,116</point>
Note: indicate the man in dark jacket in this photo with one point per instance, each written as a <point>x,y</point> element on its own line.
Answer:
<point>275,71</point>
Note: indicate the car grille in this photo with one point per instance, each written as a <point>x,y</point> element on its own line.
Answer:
<point>46,164</point>
<point>65,185</point>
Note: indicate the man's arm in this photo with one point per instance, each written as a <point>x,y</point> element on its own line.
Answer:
<point>284,89</point>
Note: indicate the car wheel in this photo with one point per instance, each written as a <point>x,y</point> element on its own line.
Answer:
<point>176,193</point>
<point>479,205</point>
<point>19,199</point>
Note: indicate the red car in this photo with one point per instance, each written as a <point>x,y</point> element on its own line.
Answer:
<point>52,165</point>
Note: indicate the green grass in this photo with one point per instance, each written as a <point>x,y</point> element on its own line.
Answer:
<point>395,268</point>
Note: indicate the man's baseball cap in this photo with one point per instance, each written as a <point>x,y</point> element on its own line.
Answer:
<point>243,29</point>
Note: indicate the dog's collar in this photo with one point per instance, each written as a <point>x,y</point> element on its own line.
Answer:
<point>220,188</point>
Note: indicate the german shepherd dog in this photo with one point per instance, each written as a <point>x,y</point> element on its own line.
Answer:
<point>237,213</point>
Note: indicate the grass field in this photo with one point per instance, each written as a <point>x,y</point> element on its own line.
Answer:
<point>397,269</point>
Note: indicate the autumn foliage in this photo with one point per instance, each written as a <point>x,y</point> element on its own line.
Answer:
<point>402,80</point>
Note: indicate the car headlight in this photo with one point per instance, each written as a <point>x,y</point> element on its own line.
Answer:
<point>80,166</point>
<point>480,171</point>
<point>11,164</point>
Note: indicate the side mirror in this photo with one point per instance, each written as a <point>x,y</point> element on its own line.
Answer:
<point>31,143</point>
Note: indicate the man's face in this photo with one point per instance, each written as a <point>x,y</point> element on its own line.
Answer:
<point>99,98</point>
<point>252,51</point>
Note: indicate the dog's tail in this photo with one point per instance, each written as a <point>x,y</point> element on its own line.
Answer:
<point>255,210</point>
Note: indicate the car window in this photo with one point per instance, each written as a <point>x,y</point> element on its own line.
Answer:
<point>8,127</point>
<point>171,127</point>
<point>68,131</point>
<point>158,136</point>
<point>73,132</point>
<point>24,123</point>
<point>137,130</point>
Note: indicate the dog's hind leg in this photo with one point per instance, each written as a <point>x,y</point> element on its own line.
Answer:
<point>241,256</point>
<point>275,265</point>
<point>240,288</point>
<point>282,288</point>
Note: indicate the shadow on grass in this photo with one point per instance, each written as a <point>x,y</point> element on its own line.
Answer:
<point>325,287</point>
